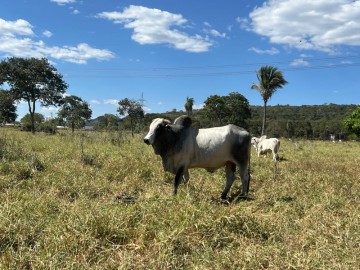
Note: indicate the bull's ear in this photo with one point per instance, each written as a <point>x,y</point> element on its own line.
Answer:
<point>168,127</point>
<point>183,120</point>
<point>166,122</point>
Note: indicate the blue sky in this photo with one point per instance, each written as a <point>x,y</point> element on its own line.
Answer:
<point>167,50</point>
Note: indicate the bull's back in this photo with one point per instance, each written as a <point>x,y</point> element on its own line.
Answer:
<point>213,147</point>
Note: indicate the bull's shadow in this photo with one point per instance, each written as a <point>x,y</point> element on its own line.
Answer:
<point>236,197</point>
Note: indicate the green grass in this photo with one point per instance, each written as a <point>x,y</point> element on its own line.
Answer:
<point>102,201</point>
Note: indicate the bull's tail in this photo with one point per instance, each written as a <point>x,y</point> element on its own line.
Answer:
<point>277,150</point>
<point>249,172</point>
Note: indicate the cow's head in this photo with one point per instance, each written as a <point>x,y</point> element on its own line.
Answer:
<point>255,141</point>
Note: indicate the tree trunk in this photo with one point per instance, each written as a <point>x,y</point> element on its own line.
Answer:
<point>32,115</point>
<point>264,120</point>
<point>132,127</point>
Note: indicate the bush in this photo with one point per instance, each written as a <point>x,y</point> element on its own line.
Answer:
<point>48,127</point>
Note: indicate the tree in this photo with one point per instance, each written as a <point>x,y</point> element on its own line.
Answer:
<point>107,121</point>
<point>27,121</point>
<point>352,122</point>
<point>231,109</point>
<point>189,105</point>
<point>75,112</point>
<point>238,109</point>
<point>215,109</point>
<point>270,79</point>
<point>7,107</point>
<point>33,80</point>
<point>133,109</point>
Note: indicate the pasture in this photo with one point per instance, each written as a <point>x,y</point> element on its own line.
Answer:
<point>102,201</point>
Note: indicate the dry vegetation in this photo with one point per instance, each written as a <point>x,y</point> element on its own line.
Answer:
<point>102,201</point>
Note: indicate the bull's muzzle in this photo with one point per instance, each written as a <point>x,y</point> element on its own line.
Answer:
<point>146,141</point>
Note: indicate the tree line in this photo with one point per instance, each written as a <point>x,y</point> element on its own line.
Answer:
<point>36,80</point>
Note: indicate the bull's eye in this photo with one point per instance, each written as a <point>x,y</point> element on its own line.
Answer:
<point>159,129</point>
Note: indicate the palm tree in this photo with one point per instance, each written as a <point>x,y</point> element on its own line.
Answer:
<point>188,105</point>
<point>270,79</point>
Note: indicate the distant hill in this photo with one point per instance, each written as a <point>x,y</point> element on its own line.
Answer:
<point>304,112</point>
<point>282,112</point>
<point>309,121</point>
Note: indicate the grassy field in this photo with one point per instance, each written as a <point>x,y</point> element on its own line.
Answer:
<point>102,201</point>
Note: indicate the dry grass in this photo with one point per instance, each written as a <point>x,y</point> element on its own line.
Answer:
<point>102,201</point>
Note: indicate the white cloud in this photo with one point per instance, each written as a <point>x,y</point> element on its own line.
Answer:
<point>18,27</point>
<point>94,101</point>
<point>146,109</point>
<point>49,110</point>
<point>47,33</point>
<point>209,30</point>
<point>244,23</point>
<point>198,106</point>
<point>17,39</point>
<point>63,2</point>
<point>303,55</point>
<point>318,25</point>
<point>75,11</point>
<point>154,26</point>
<point>271,51</point>
<point>299,62</point>
<point>216,33</point>
<point>111,102</point>
<point>79,54</point>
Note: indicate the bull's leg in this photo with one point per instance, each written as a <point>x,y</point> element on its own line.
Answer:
<point>186,176</point>
<point>177,180</point>
<point>230,177</point>
<point>245,177</point>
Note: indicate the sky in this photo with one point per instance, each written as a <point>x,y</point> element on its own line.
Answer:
<point>160,52</point>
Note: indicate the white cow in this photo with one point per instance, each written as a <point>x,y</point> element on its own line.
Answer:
<point>182,147</point>
<point>263,146</point>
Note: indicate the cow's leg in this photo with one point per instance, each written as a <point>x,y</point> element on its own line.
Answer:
<point>177,180</point>
<point>230,177</point>
<point>274,156</point>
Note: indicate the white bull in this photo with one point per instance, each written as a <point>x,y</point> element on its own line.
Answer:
<point>263,146</point>
<point>182,147</point>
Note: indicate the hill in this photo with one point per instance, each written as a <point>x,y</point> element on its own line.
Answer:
<point>310,121</point>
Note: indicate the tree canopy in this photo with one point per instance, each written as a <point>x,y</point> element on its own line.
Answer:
<point>7,107</point>
<point>133,109</point>
<point>107,122</point>
<point>26,122</point>
<point>231,109</point>
<point>189,105</point>
<point>33,80</point>
<point>270,79</point>
<point>75,112</point>
<point>352,122</point>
